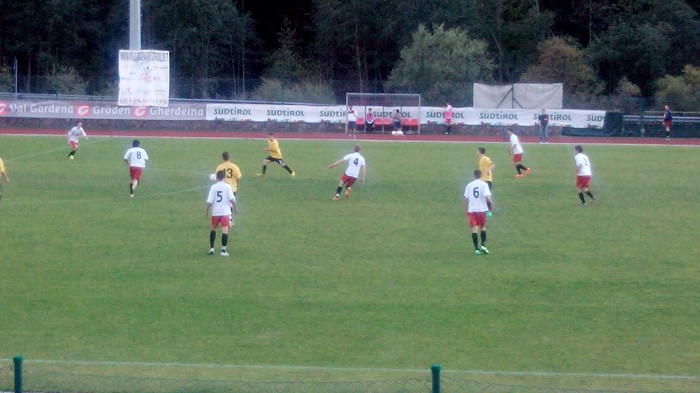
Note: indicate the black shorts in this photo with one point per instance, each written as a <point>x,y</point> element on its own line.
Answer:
<point>273,159</point>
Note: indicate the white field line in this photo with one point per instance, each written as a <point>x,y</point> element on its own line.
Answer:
<point>550,374</point>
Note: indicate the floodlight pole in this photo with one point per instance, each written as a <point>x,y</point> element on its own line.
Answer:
<point>135,24</point>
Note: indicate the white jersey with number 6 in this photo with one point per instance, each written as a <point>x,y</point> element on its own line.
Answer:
<point>220,197</point>
<point>136,157</point>
<point>355,163</point>
<point>583,164</point>
<point>476,192</point>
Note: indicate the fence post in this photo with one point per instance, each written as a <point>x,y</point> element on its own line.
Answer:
<point>18,372</point>
<point>435,368</point>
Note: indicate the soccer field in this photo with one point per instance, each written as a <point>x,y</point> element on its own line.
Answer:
<point>380,285</point>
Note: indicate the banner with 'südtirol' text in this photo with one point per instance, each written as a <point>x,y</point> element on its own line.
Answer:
<point>198,111</point>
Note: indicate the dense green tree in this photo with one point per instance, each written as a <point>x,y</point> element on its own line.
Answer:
<point>441,64</point>
<point>680,92</point>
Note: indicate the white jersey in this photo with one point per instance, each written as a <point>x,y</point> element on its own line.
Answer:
<point>583,165</point>
<point>515,145</point>
<point>220,197</point>
<point>476,192</point>
<point>75,133</point>
<point>355,163</point>
<point>352,116</point>
<point>136,157</point>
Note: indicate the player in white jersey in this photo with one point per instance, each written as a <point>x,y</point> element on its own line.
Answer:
<point>74,135</point>
<point>136,159</point>
<point>583,175</point>
<point>219,202</point>
<point>477,201</point>
<point>356,168</point>
<point>516,151</point>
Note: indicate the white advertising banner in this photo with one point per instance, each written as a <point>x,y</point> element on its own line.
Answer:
<point>55,109</point>
<point>575,118</point>
<point>519,95</point>
<point>144,78</point>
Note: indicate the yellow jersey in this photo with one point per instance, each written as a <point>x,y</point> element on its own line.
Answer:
<point>485,168</point>
<point>2,166</point>
<point>232,176</point>
<point>274,149</point>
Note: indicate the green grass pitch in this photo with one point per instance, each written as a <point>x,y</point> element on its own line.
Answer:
<point>386,280</point>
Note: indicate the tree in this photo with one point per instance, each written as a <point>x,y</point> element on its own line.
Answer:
<point>441,65</point>
<point>562,61</point>
<point>680,92</point>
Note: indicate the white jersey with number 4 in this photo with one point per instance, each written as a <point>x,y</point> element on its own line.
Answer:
<point>220,197</point>
<point>476,192</point>
<point>355,163</point>
<point>136,157</point>
<point>583,164</point>
<point>515,144</point>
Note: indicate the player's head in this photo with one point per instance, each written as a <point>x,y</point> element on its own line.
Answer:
<point>477,174</point>
<point>80,123</point>
<point>665,107</point>
<point>543,111</point>
<point>135,143</point>
<point>225,156</point>
<point>356,149</point>
<point>270,136</point>
<point>481,150</point>
<point>509,131</point>
<point>220,174</point>
<point>369,109</point>
<point>578,149</point>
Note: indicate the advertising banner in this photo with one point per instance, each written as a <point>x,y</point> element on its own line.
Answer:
<point>144,78</point>
<point>55,109</point>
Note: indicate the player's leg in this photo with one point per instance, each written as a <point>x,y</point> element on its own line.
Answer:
<point>212,237</point>
<point>339,188</point>
<point>482,230</point>
<point>588,192</point>
<point>265,161</point>
<point>281,163</point>
<point>224,236</point>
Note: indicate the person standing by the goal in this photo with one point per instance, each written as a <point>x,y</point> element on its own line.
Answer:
<point>74,138</point>
<point>351,122</point>
<point>449,112</point>
<point>668,120</point>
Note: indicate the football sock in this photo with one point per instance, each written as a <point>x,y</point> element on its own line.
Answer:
<point>224,241</point>
<point>580,195</point>
<point>338,190</point>
<point>212,238</point>
<point>264,168</point>
<point>475,240</point>
<point>517,168</point>
<point>72,153</point>
<point>483,238</point>
<point>590,194</point>
<point>288,168</point>
<point>131,188</point>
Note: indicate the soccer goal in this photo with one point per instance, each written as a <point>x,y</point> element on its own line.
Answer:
<point>383,107</point>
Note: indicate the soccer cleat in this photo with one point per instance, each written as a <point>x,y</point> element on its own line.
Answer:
<point>224,253</point>
<point>348,192</point>
<point>489,214</point>
<point>483,249</point>
<point>211,251</point>
<point>131,195</point>
<point>260,175</point>
<point>478,252</point>
<point>583,204</point>
<point>336,198</point>
<point>527,171</point>
<point>518,176</point>
<point>71,157</point>
<point>294,173</point>
<point>592,200</point>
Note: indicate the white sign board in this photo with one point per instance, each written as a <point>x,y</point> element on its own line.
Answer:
<point>144,78</point>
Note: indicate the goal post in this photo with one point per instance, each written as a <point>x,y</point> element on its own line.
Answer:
<point>384,106</point>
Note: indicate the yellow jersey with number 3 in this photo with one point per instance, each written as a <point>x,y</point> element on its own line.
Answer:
<point>232,174</point>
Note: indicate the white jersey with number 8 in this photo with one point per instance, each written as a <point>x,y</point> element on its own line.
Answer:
<point>136,157</point>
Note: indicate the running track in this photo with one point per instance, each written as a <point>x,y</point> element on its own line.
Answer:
<point>360,137</point>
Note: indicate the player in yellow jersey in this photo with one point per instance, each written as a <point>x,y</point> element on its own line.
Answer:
<point>486,167</point>
<point>231,170</point>
<point>3,174</point>
<point>273,148</point>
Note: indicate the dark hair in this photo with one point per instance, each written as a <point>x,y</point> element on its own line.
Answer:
<point>220,174</point>
<point>357,148</point>
<point>477,174</point>
<point>225,156</point>
<point>578,148</point>
<point>136,143</point>
<point>481,150</point>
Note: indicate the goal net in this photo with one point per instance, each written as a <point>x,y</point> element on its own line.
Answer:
<point>384,107</point>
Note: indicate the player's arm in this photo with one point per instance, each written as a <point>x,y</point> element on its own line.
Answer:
<point>335,163</point>
<point>206,211</point>
<point>363,170</point>
<point>3,174</point>
<point>466,204</point>
<point>489,202</point>
<point>235,205</point>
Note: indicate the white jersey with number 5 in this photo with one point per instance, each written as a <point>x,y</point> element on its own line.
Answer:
<point>476,192</point>
<point>583,165</point>
<point>136,157</point>
<point>220,197</point>
<point>355,163</point>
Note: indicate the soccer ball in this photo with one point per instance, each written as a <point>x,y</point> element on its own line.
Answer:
<point>212,177</point>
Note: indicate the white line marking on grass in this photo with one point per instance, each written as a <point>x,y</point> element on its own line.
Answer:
<point>64,148</point>
<point>110,198</point>
<point>551,374</point>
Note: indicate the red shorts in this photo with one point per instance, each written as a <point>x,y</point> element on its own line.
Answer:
<point>517,158</point>
<point>73,145</point>
<point>348,180</point>
<point>135,172</point>
<point>477,219</point>
<point>448,121</point>
<point>224,221</point>
<point>583,181</point>
<point>667,123</point>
